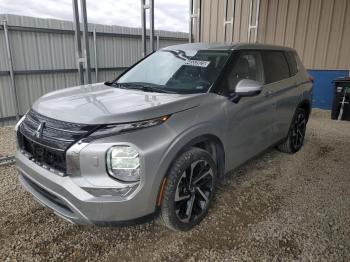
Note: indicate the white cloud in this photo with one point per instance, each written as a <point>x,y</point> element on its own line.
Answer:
<point>168,14</point>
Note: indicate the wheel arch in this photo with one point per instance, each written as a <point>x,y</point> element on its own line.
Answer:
<point>209,142</point>
<point>305,105</point>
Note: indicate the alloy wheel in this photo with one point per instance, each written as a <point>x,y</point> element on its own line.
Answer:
<point>298,131</point>
<point>194,191</point>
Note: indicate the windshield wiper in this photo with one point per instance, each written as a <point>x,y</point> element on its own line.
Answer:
<point>147,87</point>
<point>108,83</point>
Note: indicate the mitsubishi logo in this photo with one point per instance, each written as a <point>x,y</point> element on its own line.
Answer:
<point>39,131</point>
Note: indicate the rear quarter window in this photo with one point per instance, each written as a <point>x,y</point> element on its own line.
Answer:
<point>275,66</point>
<point>293,66</point>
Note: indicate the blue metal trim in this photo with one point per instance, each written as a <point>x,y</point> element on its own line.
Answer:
<point>323,87</point>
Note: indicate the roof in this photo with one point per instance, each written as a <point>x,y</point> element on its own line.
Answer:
<point>226,46</point>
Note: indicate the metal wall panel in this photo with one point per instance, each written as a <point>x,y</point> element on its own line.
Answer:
<point>7,105</point>
<point>323,87</point>
<point>205,21</point>
<point>344,50</point>
<point>213,17</point>
<point>335,36</point>
<point>48,44</point>
<point>292,18</point>
<point>220,22</point>
<point>229,27</point>
<point>244,21</point>
<point>237,21</point>
<point>214,25</point>
<point>318,29</point>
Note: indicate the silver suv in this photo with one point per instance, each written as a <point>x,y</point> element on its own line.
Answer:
<point>155,141</point>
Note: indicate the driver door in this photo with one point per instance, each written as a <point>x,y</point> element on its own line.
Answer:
<point>251,119</point>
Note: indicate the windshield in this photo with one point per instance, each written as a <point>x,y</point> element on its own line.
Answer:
<point>177,71</point>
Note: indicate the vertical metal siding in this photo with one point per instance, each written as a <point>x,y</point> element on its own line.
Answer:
<point>47,50</point>
<point>292,19</point>
<point>214,26</point>
<point>237,21</point>
<point>323,34</point>
<point>318,29</point>
<point>312,30</point>
<point>281,17</point>
<point>344,51</point>
<point>335,33</point>
<point>205,21</point>
<point>244,17</point>
<point>220,22</point>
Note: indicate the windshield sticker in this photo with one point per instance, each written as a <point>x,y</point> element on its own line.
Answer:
<point>197,63</point>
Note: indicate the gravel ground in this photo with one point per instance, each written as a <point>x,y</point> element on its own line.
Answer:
<point>7,145</point>
<point>276,207</point>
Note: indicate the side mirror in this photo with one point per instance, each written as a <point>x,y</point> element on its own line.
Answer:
<point>244,88</point>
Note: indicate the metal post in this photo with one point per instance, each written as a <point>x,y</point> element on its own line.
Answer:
<point>12,76</point>
<point>256,25</point>
<point>190,13</point>
<point>225,18</point>
<point>143,23</point>
<point>229,22</point>
<point>151,24</point>
<point>158,44</point>
<point>233,19</point>
<point>77,38</point>
<point>257,20</point>
<point>86,40</point>
<point>196,6</point>
<point>95,55</point>
<point>199,20</point>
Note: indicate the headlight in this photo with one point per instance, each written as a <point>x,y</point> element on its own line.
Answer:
<point>123,163</point>
<point>109,130</point>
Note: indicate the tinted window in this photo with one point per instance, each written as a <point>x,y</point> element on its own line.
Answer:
<point>247,65</point>
<point>180,71</point>
<point>275,66</point>
<point>292,62</point>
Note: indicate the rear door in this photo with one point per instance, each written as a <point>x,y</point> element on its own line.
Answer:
<point>282,84</point>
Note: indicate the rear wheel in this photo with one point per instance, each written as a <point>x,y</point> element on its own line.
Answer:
<point>189,190</point>
<point>296,134</point>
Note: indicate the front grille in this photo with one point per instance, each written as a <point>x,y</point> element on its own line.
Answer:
<point>55,137</point>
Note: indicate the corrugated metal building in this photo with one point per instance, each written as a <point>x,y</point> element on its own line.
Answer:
<point>318,29</point>
<point>44,57</point>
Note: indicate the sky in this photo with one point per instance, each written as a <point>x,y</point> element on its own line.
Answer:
<point>171,15</point>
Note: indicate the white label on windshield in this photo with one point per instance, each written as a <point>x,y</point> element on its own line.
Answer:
<point>197,63</point>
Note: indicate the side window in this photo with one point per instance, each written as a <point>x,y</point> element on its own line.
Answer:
<point>248,65</point>
<point>275,66</point>
<point>293,67</point>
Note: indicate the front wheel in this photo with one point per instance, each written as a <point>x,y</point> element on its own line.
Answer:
<point>189,190</point>
<point>296,134</point>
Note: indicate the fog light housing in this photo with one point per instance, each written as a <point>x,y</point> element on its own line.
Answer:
<point>123,163</point>
<point>111,192</point>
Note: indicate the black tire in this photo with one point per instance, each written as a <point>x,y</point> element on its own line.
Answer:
<point>296,134</point>
<point>181,193</point>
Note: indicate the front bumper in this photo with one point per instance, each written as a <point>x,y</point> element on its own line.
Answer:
<point>158,146</point>
<point>71,202</point>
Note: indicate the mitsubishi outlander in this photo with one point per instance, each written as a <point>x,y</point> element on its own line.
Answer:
<point>155,141</point>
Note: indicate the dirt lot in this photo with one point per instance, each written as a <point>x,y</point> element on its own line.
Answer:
<point>276,207</point>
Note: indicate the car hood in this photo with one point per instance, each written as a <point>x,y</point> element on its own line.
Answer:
<point>102,104</point>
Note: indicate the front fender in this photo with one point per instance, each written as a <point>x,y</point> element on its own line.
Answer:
<point>183,140</point>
